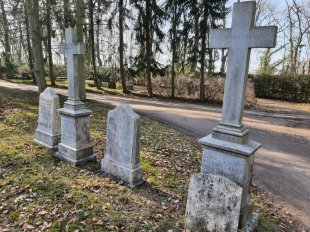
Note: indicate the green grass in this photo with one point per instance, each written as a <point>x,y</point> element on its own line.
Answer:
<point>40,192</point>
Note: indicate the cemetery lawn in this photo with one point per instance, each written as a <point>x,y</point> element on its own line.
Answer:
<point>38,191</point>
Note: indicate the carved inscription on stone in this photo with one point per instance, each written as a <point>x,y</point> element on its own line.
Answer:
<point>218,163</point>
<point>68,130</point>
<point>71,48</point>
<point>45,114</point>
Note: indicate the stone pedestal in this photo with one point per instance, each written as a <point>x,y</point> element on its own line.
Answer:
<point>75,144</point>
<point>235,162</point>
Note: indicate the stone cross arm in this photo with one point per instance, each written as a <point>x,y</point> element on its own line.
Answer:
<point>72,48</point>
<point>256,37</point>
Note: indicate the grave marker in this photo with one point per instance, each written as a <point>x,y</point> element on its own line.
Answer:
<point>75,144</point>
<point>228,151</point>
<point>213,204</point>
<point>122,156</point>
<point>48,130</point>
<point>239,40</point>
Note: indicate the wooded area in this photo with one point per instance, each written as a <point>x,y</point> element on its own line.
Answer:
<point>132,40</point>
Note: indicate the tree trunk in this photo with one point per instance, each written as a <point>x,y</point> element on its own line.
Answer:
<point>196,39</point>
<point>1,75</point>
<point>92,37</point>
<point>49,43</point>
<point>121,44</point>
<point>7,48</point>
<point>30,53</point>
<point>80,69</point>
<point>35,31</point>
<point>203,55</point>
<point>66,14</point>
<point>148,18</point>
<point>174,27</point>
<point>97,38</point>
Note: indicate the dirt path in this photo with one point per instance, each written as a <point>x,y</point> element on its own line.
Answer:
<point>282,165</point>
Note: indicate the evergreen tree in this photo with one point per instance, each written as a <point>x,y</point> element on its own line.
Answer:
<point>149,20</point>
<point>173,11</point>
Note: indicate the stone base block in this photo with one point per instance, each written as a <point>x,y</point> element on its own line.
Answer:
<point>213,203</point>
<point>235,162</point>
<point>132,177</point>
<point>246,213</point>
<point>251,224</point>
<point>75,156</point>
<point>47,140</point>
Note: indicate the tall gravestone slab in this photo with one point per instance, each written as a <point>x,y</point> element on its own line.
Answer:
<point>213,204</point>
<point>228,151</point>
<point>75,144</point>
<point>48,130</point>
<point>122,156</point>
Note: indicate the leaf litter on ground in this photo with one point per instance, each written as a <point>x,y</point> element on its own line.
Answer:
<point>38,192</point>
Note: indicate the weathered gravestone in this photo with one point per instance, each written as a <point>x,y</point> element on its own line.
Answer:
<point>228,151</point>
<point>218,207</point>
<point>48,131</point>
<point>75,144</point>
<point>122,156</point>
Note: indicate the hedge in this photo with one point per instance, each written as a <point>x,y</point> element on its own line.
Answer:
<point>294,88</point>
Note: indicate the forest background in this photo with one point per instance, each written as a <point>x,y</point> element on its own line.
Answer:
<point>161,44</point>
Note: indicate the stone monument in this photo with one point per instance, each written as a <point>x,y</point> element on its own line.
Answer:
<point>122,156</point>
<point>48,131</point>
<point>228,151</point>
<point>75,144</point>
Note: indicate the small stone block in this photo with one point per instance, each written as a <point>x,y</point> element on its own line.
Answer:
<point>213,204</point>
<point>47,140</point>
<point>251,223</point>
<point>74,161</point>
<point>132,177</point>
<point>112,85</point>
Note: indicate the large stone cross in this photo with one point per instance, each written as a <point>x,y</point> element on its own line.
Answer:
<point>72,48</point>
<point>239,40</point>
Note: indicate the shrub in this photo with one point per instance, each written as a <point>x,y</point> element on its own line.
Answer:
<point>187,87</point>
<point>294,88</point>
<point>60,70</point>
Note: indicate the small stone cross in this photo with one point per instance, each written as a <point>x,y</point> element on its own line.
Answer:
<point>72,48</point>
<point>239,40</point>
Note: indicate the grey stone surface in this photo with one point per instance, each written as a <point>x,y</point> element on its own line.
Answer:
<point>251,223</point>
<point>75,144</point>
<point>213,204</point>
<point>48,130</point>
<point>239,40</point>
<point>122,156</point>
<point>72,48</point>
<point>219,163</point>
<point>233,161</point>
<point>246,149</point>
